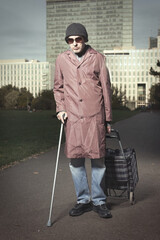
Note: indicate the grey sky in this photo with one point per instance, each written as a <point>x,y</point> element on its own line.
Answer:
<point>23,23</point>
<point>146,21</point>
<point>22,29</point>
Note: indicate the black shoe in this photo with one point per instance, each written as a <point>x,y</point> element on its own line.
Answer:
<point>80,208</point>
<point>102,210</point>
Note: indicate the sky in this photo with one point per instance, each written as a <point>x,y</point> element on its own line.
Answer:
<point>23,27</point>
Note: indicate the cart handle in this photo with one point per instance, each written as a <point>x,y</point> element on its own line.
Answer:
<point>117,136</point>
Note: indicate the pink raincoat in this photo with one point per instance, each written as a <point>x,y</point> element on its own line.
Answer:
<point>82,89</point>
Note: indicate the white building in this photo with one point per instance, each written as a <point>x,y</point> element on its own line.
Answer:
<point>129,69</point>
<point>33,75</point>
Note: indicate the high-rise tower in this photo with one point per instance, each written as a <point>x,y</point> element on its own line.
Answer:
<point>109,23</point>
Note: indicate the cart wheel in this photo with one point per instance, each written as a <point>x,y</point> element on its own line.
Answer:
<point>131,198</point>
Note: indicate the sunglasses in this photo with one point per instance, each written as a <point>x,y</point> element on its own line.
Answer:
<point>77,40</point>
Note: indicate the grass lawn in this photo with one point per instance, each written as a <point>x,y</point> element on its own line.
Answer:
<point>23,134</point>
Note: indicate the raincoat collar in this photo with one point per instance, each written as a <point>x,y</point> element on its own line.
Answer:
<point>85,57</point>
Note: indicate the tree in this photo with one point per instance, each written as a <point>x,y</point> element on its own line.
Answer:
<point>47,94</point>
<point>11,99</point>
<point>155,89</point>
<point>154,72</point>
<point>45,101</point>
<point>155,95</point>
<point>24,99</point>
<point>3,92</point>
<point>118,98</point>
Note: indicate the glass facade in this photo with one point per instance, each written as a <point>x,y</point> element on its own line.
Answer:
<point>108,23</point>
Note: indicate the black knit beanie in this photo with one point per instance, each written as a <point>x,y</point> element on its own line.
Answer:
<point>76,29</point>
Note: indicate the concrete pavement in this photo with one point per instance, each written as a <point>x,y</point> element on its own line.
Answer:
<point>25,193</point>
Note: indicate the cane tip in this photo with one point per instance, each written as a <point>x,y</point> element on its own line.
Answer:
<point>49,223</point>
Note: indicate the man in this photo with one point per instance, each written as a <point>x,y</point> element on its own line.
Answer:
<point>82,95</point>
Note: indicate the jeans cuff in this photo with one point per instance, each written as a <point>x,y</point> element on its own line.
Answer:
<point>99,203</point>
<point>84,201</point>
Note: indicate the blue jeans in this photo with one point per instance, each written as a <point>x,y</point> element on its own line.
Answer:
<point>79,175</point>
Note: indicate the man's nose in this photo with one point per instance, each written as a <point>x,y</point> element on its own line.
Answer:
<point>74,42</point>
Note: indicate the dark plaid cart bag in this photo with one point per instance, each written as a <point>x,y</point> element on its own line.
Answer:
<point>121,170</point>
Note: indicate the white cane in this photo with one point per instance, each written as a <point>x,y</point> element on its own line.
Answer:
<point>55,175</point>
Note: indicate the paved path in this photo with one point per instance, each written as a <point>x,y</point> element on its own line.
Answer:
<point>25,192</point>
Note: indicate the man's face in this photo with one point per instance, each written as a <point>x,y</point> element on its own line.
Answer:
<point>76,43</point>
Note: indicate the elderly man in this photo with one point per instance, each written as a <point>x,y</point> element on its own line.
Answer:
<point>82,95</point>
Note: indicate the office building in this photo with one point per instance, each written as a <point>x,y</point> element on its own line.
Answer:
<point>108,23</point>
<point>152,42</point>
<point>155,42</point>
<point>129,69</point>
<point>33,75</point>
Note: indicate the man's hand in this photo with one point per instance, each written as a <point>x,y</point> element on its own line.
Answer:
<point>62,116</point>
<point>108,125</point>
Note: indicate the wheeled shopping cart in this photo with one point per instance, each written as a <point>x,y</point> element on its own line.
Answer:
<point>121,170</point>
